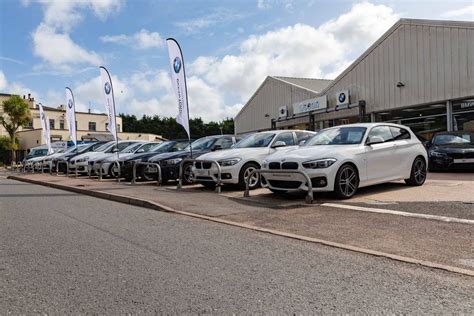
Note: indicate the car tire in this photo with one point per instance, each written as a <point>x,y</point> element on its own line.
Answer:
<point>244,171</point>
<point>346,182</point>
<point>188,177</point>
<point>417,173</point>
<point>146,176</point>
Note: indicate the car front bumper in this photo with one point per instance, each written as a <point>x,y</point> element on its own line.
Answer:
<point>229,174</point>
<point>322,180</point>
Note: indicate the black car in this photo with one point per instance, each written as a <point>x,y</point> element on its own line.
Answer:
<point>170,162</point>
<point>69,155</point>
<point>142,171</point>
<point>451,151</point>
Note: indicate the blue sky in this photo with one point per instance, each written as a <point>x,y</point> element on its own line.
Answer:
<point>229,46</point>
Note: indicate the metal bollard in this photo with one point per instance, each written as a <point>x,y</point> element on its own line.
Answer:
<point>218,187</point>
<point>158,168</point>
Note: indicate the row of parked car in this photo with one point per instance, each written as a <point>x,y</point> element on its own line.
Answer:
<point>339,159</point>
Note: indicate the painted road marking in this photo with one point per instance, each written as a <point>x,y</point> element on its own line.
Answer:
<point>407,214</point>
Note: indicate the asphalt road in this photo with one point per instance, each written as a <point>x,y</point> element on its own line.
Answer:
<point>61,253</point>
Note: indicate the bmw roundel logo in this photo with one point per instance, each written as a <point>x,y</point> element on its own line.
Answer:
<point>107,87</point>
<point>69,103</point>
<point>177,64</point>
<point>342,97</point>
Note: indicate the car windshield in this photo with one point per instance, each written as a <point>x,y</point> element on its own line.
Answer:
<point>104,147</point>
<point>338,136</point>
<point>132,148</point>
<point>255,140</point>
<point>37,153</point>
<point>202,143</point>
<point>453,139</point>
<point>146,148</point>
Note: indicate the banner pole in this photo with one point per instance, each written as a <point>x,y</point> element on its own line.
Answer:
<point>75,126</point>
<point>115,114</point>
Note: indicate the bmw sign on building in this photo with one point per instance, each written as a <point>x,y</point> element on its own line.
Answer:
<point>343,97</point>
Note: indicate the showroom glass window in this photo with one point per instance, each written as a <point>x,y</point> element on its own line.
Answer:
<point>61,124</point>
<point>463,115</point>
<point>51,124</point>
<point>423,120</point>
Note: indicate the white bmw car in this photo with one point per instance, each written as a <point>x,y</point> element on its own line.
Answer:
<point>246,156</point>
<point>344,158</point>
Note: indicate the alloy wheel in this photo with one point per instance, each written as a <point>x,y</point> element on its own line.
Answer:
<point>420,171</point>
<point>253,181</point>
<point>348,181</point>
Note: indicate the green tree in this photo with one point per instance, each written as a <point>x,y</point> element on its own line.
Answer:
<point>170,129</point>
<point>15,114</point>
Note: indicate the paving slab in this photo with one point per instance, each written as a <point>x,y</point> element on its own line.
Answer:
<point>444,243</point>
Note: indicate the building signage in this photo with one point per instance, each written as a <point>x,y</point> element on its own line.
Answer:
<point>283,112</point>
<point>310,105</point>
<point>343,97</point>
<point>467,104</point>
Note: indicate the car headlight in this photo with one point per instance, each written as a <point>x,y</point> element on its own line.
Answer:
<point>437,154</point>
<point>319,163</point>
<point>173,161</point>
<point>265,164</point>
<point>229,162</point>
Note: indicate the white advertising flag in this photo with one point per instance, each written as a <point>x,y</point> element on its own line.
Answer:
<point>71,115</point>
<point>178,79</point>
<point>45,127</point>
<point>108,91</point>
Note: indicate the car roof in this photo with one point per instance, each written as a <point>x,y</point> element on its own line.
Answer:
<point>453,133</point>
<point>368,125</point>
<point>278,131</point>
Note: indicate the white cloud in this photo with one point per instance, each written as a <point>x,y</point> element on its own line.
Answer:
<point>466,12</point>
<point>15,87</point>
<point>51,39</point>
<point>66,14</point>
<point>263,4</point>
<point>142,40</point>
<point>361,26</point>
<point>58,49</point>
<point>219,16</point>
<point>299,50</point>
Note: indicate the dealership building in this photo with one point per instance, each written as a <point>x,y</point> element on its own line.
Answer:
<point>420,73</point>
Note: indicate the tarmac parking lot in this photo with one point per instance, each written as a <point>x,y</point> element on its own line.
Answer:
<point>432,224</point>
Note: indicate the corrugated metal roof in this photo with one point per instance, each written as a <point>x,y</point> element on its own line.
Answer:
<point>316,85</point>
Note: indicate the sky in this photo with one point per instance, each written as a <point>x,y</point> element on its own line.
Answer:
<point>229,47</point>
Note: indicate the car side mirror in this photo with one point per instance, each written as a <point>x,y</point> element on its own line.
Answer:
<point>115,150</point>
<point>302,142</point>
<point>372,140</point>
<point>216,147</point>
<point>279,143</point>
